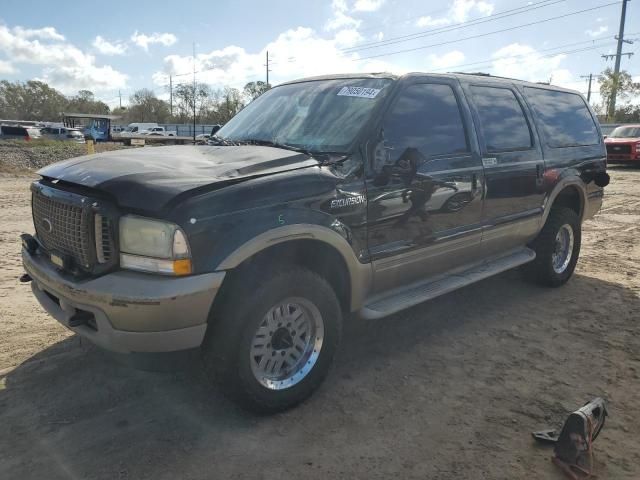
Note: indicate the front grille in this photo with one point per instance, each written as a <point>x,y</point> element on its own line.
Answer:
<point>104,239</point>
<point>616,149</point>
<point>63,227</point>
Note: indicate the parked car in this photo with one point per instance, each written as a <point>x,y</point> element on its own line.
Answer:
<point>323,198</point>
<point>16,131</point>
<point>623,144</point>
<point>136,129</point>
<point>64,133</point>
<point>158,131</point>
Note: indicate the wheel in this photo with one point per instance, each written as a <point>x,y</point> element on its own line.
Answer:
<point>557,248</point>
<point>273,340</point>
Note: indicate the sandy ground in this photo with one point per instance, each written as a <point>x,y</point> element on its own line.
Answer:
<point>448,390</point>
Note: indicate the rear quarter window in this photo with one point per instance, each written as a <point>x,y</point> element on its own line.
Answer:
<point>564,118</point>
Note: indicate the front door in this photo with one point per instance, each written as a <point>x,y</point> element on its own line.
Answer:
<point>424,185</point>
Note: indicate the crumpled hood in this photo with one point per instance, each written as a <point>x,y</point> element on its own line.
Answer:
<point>148,178</point>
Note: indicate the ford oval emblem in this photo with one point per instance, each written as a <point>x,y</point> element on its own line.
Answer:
<point>47,225</point>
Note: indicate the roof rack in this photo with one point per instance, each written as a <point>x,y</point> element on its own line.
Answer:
<point>482,74</point>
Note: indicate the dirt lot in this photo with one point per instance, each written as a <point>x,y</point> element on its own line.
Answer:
<point>447,390</point>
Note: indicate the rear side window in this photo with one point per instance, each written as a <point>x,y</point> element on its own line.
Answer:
<point>502,120</point>
<point>426,118</point>
<point>564,118</point>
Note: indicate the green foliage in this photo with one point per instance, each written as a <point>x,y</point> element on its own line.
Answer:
<point>31,100</point>
<point>253,90</point>
<point>626,90</point>
<point>211,105</point>
<point>144,106</point>
<point>85,102</point>
<point>34,100</point>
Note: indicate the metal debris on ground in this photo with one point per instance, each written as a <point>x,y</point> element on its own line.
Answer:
<point>573,451</point>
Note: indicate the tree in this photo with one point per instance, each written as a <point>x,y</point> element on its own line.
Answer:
<point>230,105</point>
<point>253,90</point>
<point>184,97</point>
<point>627,88</point>
<point>31,100</point>
<point>85,102</point>
<point>144,106</point>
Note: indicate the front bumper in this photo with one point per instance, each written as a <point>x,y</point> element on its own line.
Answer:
<point>125,311</point>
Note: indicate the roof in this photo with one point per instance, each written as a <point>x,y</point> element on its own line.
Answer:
<point>459,75</point>
<point>339,76</point>
<point>91,115</point>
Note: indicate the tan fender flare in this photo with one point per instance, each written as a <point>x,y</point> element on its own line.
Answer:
<point>360,275</point>
<point>571,181</point>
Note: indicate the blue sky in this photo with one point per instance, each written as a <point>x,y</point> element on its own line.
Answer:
<point>135,44</point>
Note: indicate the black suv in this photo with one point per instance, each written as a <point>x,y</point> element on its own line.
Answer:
<point>328,196</point>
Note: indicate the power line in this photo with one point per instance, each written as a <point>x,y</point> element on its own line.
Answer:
<point>471,37</point>
<point>491,60</point>
<point>458,26</point>
<point>446,29</point>
<point>379,25</point>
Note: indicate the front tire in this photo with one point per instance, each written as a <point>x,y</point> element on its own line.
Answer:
<point>557,249</point>
<point>274,339</point>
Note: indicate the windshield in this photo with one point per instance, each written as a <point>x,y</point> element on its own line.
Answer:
<point>318,116</point>
<point>625,132</point>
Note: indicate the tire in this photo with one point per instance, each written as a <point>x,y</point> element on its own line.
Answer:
<point>551,268</point>
<point>234,359</point>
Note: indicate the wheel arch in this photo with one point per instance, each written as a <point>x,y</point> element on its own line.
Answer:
<point>315,247</point>
<point>568,192</point>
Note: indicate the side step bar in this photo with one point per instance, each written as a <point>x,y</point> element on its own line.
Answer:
<point>401,298</point>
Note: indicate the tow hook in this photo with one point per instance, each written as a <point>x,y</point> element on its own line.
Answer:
<point>25,278</point>
<point>29,243</point>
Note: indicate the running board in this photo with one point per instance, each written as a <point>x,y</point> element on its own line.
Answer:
<point>401,298</point>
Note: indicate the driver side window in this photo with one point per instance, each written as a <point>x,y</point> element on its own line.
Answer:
<point>423,125</point>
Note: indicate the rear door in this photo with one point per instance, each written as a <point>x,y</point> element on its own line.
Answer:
<point>513,165</point>
<point>424,184</point>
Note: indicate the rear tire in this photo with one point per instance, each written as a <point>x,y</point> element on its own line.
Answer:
<point>274,338</point>
<point>557,249</point>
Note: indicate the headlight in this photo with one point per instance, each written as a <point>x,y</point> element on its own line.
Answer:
<point>153,246</point>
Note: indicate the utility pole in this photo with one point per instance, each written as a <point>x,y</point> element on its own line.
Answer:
<point>616,70</point>
<point>120,95</point>
<point>590,77</point>
<point>171,95</point>
<point>267,65</point>
<point>194,92</point>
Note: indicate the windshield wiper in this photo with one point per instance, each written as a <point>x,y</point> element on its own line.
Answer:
<point>325,158</point>
<point>221,141</point>
<point>269,143</point>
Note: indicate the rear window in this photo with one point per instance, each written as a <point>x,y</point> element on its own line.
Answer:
<point>564,118</point>
<point>502,120</point>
